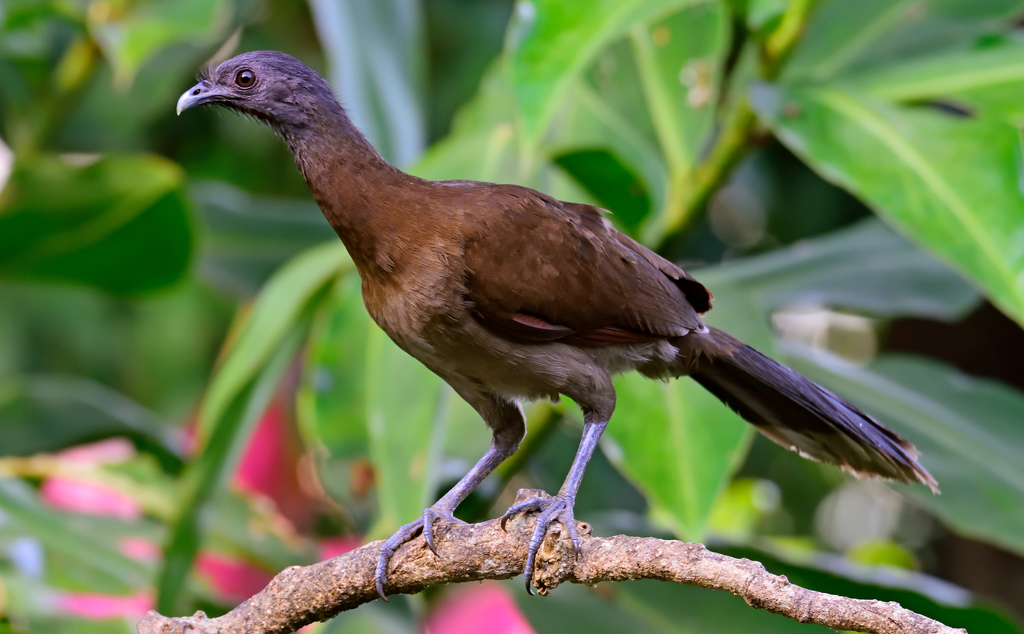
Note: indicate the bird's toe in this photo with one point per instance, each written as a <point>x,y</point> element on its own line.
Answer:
<point>424,524</point>
<point>556,509</point>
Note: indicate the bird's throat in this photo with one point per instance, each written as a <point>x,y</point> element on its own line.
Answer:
<point>359,192</point>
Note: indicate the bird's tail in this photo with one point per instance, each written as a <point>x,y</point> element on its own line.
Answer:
<point>799,414</point>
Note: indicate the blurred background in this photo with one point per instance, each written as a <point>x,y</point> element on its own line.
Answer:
<point>192,397</point>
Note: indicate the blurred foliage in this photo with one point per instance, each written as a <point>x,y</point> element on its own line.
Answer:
<point>188,376</point>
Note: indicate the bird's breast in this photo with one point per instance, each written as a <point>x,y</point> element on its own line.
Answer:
<point>417,301</point>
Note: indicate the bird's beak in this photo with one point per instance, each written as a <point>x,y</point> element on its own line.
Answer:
<point>197,95</point>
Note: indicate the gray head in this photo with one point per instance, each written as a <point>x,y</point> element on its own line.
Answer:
<point>271,86</point>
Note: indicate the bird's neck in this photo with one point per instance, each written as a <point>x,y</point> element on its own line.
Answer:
<point>359,192</point>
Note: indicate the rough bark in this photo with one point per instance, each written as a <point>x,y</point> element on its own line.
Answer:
<point>473,552</point>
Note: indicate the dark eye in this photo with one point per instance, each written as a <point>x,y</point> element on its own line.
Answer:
<point>245,78</point>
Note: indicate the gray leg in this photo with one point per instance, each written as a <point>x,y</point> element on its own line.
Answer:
<point>560,507</point>
<point>508,425</point>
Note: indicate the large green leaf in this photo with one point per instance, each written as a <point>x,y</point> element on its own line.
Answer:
<point>284,299</point>
<point>377,51</point>
<point>75,538</point>
<point>222,448</point>
<point>238,396</point>
<point>129,35</point>
<point>948,183</point>
<point>332,399</point>
<point>118,222</point>
<point>678,444</point>
<point>246,237</point>
<point>643,110</point>
<point>843,36</point>
<point>968,431</point>
<point>481,145</point>
<point>865,268</point>
<point>679,61</point>
<point>406,433</point>
<point>550,42</point>
<point>35,410</point>
<point>990,78</point>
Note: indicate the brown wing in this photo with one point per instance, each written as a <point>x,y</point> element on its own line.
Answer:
<point>543,270</point>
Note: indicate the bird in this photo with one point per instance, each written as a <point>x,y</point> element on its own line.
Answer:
<point>510,295</point>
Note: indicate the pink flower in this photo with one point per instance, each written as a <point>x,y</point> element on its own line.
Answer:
<point>334,546</point>
<point>99,606</point>
<point>140,549</point>
<point>234,578</point>
<point>77,496</point>
<point>111,450</point>
<point>487,607</point>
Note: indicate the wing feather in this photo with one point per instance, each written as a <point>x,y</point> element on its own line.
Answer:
<point>544,270</point>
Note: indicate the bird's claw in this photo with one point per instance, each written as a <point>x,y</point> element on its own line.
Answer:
<point>424,524</point>
<point>556,509</point>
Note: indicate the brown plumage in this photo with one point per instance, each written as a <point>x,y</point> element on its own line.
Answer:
<point>509,294</point>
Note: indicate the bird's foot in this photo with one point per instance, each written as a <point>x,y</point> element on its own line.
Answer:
<point>556,509</point>
<point>425,525</point>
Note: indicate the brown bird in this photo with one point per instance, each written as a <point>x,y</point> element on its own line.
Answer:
<point>509,295</point>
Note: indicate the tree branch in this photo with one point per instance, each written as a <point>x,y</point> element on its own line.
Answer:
<point>473,552</point>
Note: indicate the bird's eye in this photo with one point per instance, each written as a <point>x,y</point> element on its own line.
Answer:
<point>245,78</point>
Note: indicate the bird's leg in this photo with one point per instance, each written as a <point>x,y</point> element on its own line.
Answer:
<point>560,507</point>
<point>506,419</point>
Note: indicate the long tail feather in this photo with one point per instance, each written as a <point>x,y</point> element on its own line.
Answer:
<point>800,415</point>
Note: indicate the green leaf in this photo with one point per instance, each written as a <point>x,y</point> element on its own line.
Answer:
<point>285,297</point>
<point>842,36</point>
<point>363,396</point>
<point>332,399</point>
<point>950,184</point>
<point>129,35</point>
<point>481,145</point>
<point>246,237</point>
<point>35,411</point>
<point>611,183</point>
<point>406,432</point>
<point>968,431</point>
<point>331,402</point>
<point>222,448</point>
<point>70,536</point>
<point>679,444</point>
<point>613,123</point>
<point>550,42</point>
<point>991,78</point>
<point>679,59</point>
<point>377,51</point>
<point>238,396</point>
<point>865,268</point>
<point>119,222</point>
<point>649,102</point>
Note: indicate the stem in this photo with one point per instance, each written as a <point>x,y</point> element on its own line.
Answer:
<point>730,146</point>
<point>779,44</point>
<point>740,122</point>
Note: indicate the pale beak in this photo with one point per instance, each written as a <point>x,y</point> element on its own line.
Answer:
<point>197,95</point>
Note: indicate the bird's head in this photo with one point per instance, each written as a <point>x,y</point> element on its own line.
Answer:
<point>271,86</point>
